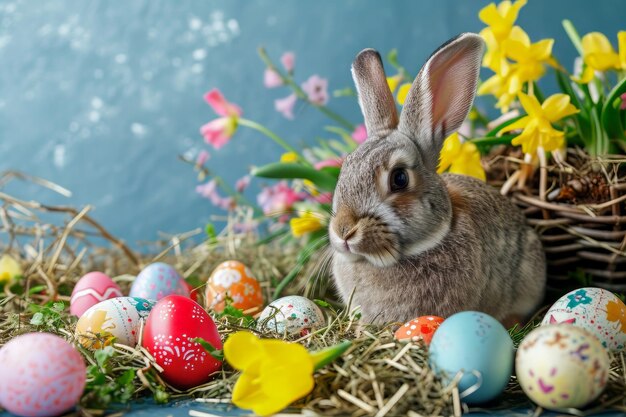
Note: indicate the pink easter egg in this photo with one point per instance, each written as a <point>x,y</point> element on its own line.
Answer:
<point>91,289</point>
<point>42,375</point>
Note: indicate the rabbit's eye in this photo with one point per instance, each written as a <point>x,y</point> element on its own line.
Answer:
<point>399,179</point>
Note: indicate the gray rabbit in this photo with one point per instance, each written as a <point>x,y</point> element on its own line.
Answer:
<point>410,242</point>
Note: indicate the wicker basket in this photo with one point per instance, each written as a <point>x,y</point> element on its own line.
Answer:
<point>581,218</point>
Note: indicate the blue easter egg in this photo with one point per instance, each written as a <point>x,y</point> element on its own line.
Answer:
<point>477,345</point>
<point>158,280</point>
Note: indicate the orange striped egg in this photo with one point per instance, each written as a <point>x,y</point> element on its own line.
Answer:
<point>233,282</point>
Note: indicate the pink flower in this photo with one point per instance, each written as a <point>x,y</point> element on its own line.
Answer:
<point>333,162</point>
<point>285,105</point>
<point>623,105</point>
<point>209,191</point>
<point>288,60</point>
<point>202,157</point>
<point>219,131</point>
<point>278,199</point>
<point>324,198</point>
<point>271,79</point>
<point>316,89</point>
<point>242,183</point>
<point>360,134</point>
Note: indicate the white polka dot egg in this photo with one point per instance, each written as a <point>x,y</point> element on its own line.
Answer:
<point>292,315</point>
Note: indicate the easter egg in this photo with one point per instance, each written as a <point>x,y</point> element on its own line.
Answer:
<point>233,280</point>
<point>193,292</point>
<point>421,328</point>
<point>118,318</point>
<point>42,375</point>
<point>595,309</point>
<point>479,347</point>
<point>158,280</point>
<point>292,314</point>
<point>168,335</point>
<point>562,366</point>
<point>91,289</point>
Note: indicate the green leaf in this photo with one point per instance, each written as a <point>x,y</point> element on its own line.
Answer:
<point>611,112</point>
<point>211,233</point>
<point>103,355</point>
<point>495,130</point>
<point>573,35</point>
<point>282,170</point>
<point>334,171</point>
<point>37,319</point>
<point>344,92</point>
<point>216,353</point>
<point>322,303</point>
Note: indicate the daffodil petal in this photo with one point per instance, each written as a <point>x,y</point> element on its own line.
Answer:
<point>596,42</point>
<point>393,82</point>
<point>489,14</point>
<point>530,104</point>
<point>285,383</point>
<point>288,353</point>
<point>402,92</point>
<point>242,350</point>
<point>520,124</point>
<point>621,44</point>
<point>558,106</point>
<point>519,35</point>
<point>543,49</point>
<point>248,394</point>
<point>516,50</point>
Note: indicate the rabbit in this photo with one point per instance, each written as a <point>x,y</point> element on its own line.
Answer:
<point>407,241</point>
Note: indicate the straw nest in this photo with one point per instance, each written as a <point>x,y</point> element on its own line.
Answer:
<point>376,376</point>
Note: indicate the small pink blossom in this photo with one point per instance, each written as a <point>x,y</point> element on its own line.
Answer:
<point>316,89</point>
<point>360,134</point>
<point>285,105</point>
<point>332,162</point>
<point>242,183</point>
<point>278,199</point>
<point>219,131</point>
<point>202,157</point>
<point>209,191</point>
<point>324,198</point>
<point>623,105</point>
<point>271,79</point>
<point>288,59</point>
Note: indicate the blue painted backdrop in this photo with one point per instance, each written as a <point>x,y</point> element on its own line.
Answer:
<point>102,96</point>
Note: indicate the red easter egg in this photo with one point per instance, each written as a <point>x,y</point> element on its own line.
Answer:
<point>193,292</point>
<point>172,324</point>
<point>420,328</point>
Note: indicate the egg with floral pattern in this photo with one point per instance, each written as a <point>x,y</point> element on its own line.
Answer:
<point>421,328</point>
<point>595,309</point>
<point>158,280</point>
<point>232,282</point>
<point>91,289</point>
<point>118,318</point>
<point>292,315</point>
<point>42,375</point>
<point>562,366</point>
<point>168,335</point>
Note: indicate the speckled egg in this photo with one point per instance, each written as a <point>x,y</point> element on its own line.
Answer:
<point>232,280</point>
<point>91,289</point>
<point>42,375</point>
<point>421,328</point>
<point>562,366</point>
<point>118,318</point>
<point>594,309</point>
<point>292,314</point>
<point>158,280</point>
<point>479,347</point>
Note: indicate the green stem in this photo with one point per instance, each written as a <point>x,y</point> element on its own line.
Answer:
<point>325,356</point>
<point>273,136</point>
<point>573,35</point>
<point>288,80</point>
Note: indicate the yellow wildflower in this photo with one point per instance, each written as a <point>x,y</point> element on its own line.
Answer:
<point>402,92</point>
<point>289,157</point>
<point>275,373</point>
<point>9,268</point>
<point>499,20</point>
<point>460,158</point>
<point>529,59</point>
<point>499,86</point>
<point>599,55</point>
<point>537,125</point>
<point>393,82</point>
<point>306,223</point>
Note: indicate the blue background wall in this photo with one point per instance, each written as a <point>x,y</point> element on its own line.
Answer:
<point>102,96</point>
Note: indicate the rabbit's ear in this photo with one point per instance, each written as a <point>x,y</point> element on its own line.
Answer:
<point>442,94</point>
<point>375,99</point>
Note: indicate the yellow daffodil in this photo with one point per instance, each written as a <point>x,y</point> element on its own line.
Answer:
<point>599,55</point>
<point>499,20</point>
<point>402,92</point>
<point>529,59</point>
<point>393,82</point>
<point>289,157</point>
<point>499,86</point>
<point>306,223</point>
<point>310,187</point>
<point>460,158</point>
<point>9,268</point>
<point>537,125</point>
<point>274,373</point>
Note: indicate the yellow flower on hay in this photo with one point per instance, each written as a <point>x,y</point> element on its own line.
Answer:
<point>305,223</point>
<point>289,157</point>
<point>460,158</point>
<point>274,373</point>
<point>537,125</point>
<point>599,55</point>
<point>500,22</point>
<point>9,268</point>
<point>403,91</point>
